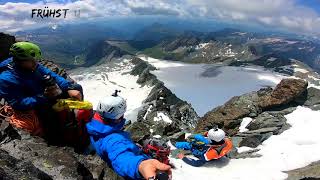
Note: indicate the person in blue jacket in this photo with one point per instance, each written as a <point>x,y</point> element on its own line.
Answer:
<point>115,146</point>
<point>24,85</point>
<point>211,146</point>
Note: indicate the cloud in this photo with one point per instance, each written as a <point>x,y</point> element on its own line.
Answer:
<point>283,14</point>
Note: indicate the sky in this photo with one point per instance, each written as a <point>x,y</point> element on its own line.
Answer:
<point>314,4</point>
<point>299,16</point>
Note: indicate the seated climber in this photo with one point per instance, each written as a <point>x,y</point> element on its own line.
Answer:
<point>213,145</point>
<point>115,146</point>
<point>30,88</point>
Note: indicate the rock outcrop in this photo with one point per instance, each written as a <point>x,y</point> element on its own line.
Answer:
<point>28,157</point>
<point>5,43</point>
<point>230,114</point>
<point>261,128</point>
<point>310,172</point>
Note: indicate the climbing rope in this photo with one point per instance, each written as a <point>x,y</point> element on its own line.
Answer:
<point>26,120</point>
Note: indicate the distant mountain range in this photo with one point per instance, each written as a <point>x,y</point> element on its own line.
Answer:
<point>87,44</point>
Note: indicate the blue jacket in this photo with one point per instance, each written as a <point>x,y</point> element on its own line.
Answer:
<point>116,147</point>
<point>195,151</point>
<point>24,90</point>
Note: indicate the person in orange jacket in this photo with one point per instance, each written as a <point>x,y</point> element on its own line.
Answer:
<point>213,145</point>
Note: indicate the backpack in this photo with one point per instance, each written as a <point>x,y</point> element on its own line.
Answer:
<point>72,118</point>
<point>157,149</point>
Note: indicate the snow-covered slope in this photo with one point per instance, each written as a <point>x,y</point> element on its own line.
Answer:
<point>207,86</point>
<point>103,80</point>
<point>294,148</point>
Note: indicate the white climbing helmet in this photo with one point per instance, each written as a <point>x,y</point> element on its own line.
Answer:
<point>112,107</point>
<point>216,134</point>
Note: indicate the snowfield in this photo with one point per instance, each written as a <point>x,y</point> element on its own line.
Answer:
<point>295,148</point>
<point>208,86</point>
<point>103,80</point>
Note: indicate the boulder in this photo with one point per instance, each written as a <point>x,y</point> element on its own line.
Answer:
<point>269,120</point>
<point>286,91</point>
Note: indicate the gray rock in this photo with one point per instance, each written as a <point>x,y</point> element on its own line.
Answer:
<point>309,172</point>
<point>284,110</point>
<point>248,154</point>
<point>261,131</point>
<point>255,140</point>
<point>261,128</point>
<point>310,98</point>
<point>36,160</point>
<point>233,154</point>
<point>139,131</point>
<point>180,136</point>
<point>12,168</point>
<point>277,123</point>
<point>6,41</point>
